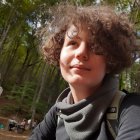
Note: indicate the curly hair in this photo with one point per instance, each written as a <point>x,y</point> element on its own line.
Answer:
<point>112,34</point>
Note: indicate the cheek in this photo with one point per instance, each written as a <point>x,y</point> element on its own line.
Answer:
<point>63,67</point>
<point>104,68</point>
<point>63,60</point>
<point>100,66</point>
<point>64,57</point>
<point>103,64</point>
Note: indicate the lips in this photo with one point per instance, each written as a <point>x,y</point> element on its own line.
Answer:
<point>80,67</point>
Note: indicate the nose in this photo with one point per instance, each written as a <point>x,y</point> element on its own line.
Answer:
<point>82,52</point>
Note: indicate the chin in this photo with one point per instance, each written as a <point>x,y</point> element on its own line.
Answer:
<point>77,81</point>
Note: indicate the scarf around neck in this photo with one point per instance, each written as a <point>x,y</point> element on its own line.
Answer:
<point>82,119</point>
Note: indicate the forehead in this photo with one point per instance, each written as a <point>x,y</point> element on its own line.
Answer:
<point>78,32</point>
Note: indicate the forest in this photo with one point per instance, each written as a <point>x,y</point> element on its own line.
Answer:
<point>28,82</point>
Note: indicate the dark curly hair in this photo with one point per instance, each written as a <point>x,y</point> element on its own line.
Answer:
<point>112,34</point>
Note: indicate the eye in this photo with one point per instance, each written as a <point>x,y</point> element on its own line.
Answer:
<point>73,43</point>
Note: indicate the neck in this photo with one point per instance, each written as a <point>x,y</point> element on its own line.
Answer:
<point>80,92</point>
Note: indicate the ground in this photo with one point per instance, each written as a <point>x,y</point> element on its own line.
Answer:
<point>10,135</point>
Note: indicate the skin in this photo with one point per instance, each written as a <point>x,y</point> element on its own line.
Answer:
<point>80,66</point>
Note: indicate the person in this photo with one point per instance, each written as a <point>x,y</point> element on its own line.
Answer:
<point>91,45</point>
<point>34,124</point>
<point>1,90</point>
<point>12,123</point>
<point>20,128</point>
<point>23,124</point>
<point>29,127</point>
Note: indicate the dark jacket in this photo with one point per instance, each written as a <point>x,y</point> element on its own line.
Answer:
<point>128,128</point>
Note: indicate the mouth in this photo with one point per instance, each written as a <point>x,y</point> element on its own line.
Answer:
<point>80,67</point>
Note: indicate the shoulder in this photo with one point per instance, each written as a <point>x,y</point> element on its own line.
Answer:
<point>130,108</point>
<point>53,109</point>
<point>131,100</point>
<point>129,116</point>
<point>47,127</point>
<point>52,114</point>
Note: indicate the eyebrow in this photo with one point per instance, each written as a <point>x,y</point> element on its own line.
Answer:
<point>75,37</point>
<point>78,37</point>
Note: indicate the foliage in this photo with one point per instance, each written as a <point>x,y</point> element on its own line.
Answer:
<point>129,79</point>
<point>8,109</point>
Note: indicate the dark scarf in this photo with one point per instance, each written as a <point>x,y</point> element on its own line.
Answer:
<point>82,119</point>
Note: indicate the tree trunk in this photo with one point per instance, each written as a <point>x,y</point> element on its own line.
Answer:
<point>39,92</point>
<point>11,56</point>
<point>7,28</point>
<point>3,38</point>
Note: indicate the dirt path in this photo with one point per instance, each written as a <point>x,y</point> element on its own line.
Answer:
<point>11,135</point>
<point>4,135</point>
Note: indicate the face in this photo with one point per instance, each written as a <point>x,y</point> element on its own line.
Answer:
<point>78,63</point>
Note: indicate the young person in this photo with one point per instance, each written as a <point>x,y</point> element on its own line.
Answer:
<point>91,45</point>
